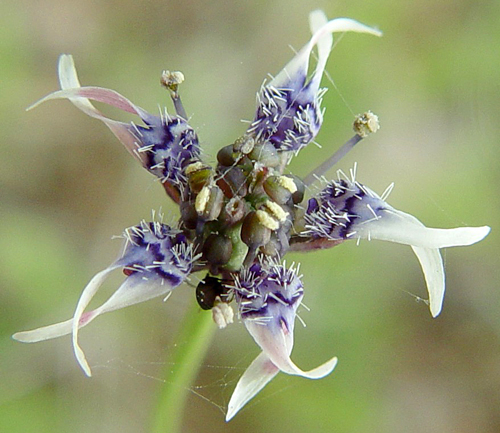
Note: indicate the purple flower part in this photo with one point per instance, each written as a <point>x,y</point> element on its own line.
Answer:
<point>168,144</point>
<point>268,300</point>
<point>289,113</point>
<point>163,147</point>
<point>346,209</point>
<point>156,259</point>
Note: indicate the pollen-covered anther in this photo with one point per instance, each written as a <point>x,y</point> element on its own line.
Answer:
<point>366,124</point>
<point>279,188</point>
<point>194,166</point>
<point>171,79</point>
<point>276,211</point>
<point>256,228</point>
<point>244,144</point>
<point>208,202</point>
<point>222,313</point>
<point>287,183</point>
<point>267,220</point>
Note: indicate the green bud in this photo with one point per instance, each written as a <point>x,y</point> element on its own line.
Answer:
<point>198,175</point>
<point>298,195</point>
<point>217,249</point>
<point>226,156</point>
<point>233,182</point>
<point>189,216</point>
<point>253,232</point>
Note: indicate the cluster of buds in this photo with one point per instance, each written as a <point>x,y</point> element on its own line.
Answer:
<point>239,218</point>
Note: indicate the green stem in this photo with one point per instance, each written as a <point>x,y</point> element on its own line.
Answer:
<point>193,342</point>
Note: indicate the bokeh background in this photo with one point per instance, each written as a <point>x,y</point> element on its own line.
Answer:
<point>67,186</point>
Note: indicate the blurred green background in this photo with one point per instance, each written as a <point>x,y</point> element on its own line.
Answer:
<point>67,186</point>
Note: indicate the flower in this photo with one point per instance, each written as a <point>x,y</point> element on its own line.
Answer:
<point>164,146</point>
<point>289,113</point>
<point>268,298</point>
<point>155,260</point>
<point>240,218</point>
<point>346,209</point>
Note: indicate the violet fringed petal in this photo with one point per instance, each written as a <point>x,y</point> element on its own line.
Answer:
<point>289,113</point>
<point>163,147</point>
<point>268,297</point>
<point>156,260</point>
<point>346,209</point>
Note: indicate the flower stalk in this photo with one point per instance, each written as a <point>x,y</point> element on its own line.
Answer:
<point>196,332</point>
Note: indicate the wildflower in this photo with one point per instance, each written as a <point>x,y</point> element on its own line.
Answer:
<point>156,259</point>
<point>268,298</point>
<point>239,219</point>
<point>346,209</point>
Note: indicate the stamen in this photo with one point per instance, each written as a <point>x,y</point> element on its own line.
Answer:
<point>330,162</point>
<point>171,81</point>
<point>364,125</point>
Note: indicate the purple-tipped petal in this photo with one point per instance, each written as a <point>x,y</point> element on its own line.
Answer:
<point>156,260</point>
<point>289,111</point>
<point>345,209</point>
<point>268,296</point>
<point>163,147</point>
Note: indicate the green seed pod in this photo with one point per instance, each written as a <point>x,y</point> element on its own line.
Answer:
<point>253,232</point>
<point>226,156</point>
<point>298,195</point>
<point>233,182</point>
<point>278,189</point>
<point>217,249</point>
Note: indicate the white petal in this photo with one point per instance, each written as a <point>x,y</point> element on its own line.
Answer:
<point>317,20</point>
<point>68,79</point>
<point>80,97</point>
<point>66,327</point>
<point>277,344</point>
<point>432,266</point>
<point>44,333</point>
<point>133,291</point>
<point>257,376</point>
<point>300,63</point>
<point>396,226</point>
<point>87,295</point>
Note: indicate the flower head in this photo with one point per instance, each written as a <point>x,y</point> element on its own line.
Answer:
<point>239,218</point>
